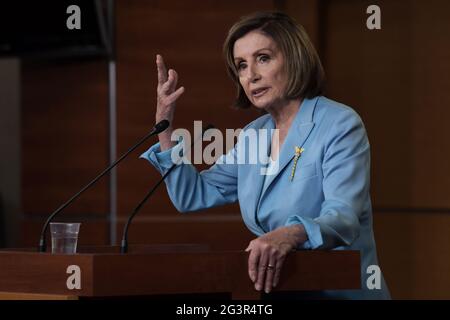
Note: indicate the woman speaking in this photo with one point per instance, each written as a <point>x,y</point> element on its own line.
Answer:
<point>317,193</point>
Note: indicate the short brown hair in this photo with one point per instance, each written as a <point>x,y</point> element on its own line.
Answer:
<point>306,78</point>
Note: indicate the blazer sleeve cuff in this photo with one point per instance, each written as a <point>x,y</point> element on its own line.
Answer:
<point>162,160</point>
<point>312,229</point>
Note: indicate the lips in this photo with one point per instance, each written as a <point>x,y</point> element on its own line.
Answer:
<point>259,91</point>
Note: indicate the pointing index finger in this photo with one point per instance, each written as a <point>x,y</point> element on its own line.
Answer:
<point>162,71</point>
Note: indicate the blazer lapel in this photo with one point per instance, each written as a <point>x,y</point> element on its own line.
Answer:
<point>297,135</point>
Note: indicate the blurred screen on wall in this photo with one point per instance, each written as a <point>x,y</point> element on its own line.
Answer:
<point>38,29</point>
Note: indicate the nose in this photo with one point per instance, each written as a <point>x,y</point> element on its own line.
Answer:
<point>253,74</point>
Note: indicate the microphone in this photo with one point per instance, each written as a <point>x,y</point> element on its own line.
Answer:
<point>158,128</point>
<point>124,243</point>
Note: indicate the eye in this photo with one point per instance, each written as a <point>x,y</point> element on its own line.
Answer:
<point>241,66</point>
<point>263,58</point>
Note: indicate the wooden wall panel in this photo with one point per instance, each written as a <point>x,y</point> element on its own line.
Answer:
<point>218,232</point>
<point>431,100</point>
<point>64,137</point>
<point>307,13</point>
<point>395,78</point>
<point>414,253</point>
<point>10,202</point>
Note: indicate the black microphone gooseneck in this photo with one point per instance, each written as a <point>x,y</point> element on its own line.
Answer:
<point>124,243</point>
<point>158,128</point>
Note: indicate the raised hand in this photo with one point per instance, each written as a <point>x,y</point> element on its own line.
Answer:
<point>166,98</point>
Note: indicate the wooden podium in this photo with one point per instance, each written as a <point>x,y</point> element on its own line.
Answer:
<point>152,270</point>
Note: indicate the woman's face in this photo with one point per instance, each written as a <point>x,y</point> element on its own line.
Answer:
<point>260,66</point>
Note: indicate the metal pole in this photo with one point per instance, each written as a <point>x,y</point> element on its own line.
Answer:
<point>112,109</point>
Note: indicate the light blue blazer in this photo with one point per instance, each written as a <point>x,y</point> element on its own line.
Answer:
<point>329,192</point>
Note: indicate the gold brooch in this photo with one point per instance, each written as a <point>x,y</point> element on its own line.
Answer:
<point>298,153</point>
